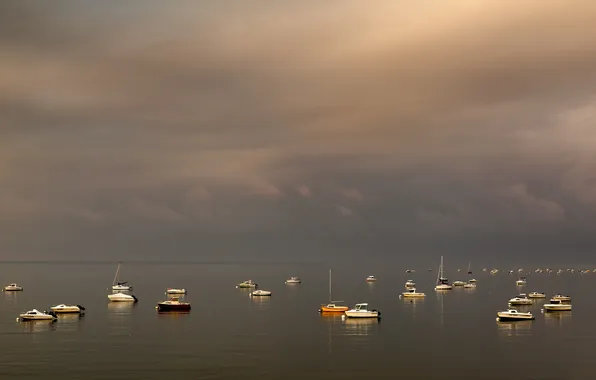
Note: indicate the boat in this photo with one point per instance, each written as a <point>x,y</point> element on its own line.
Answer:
<point>514,315</point>
<point>562,298</point>
<point>122,297</point>
<point>175,291</point>
<point>36,315</point>
<point>556,305</point>
<point>410,271</point>
<point>293,280</point>
<point>13,288</point>
<point>332,306</point>
<point>67,309</point>
<point>371,279</point>
<point>521,281</point>
<point>458,283</point>
<point>470,267</point>
<point>472,281</point>
<point>494,271</point>
<point>361,311</point>
<point>536,295</point>
<point>520,299</point>
<point>412,293</point>
<point>470,285</point>
<point>173,304</point>
<point>117,284</point>
<point>442,282</point>
<point>410,284</point>
<point>260,293</point>
<point>247,284</point>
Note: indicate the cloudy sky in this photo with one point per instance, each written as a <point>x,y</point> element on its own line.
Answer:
<point>216,129</point>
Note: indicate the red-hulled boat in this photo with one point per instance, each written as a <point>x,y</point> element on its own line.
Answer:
<point>173,304</point>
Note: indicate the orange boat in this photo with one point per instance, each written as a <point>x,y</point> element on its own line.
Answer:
<point>331,307</point>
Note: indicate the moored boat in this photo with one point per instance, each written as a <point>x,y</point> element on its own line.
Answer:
<point>247,284</point>
<point>442,282</point>
<point>458,283</point>
<point>514,315</point>
<point>175,291</point>
<point>293,280</point>
<point>371,279</point>
<point>36,315</point>
<point>521,281</point>
<point>121,297</point>
<point>361,311</point>
<point>556,305</point>
<point>410,284</point>
<point>173,304</point>
<point>120,285</point>
<point>470,285</point>
<point>332,306</point>
<point>67,309</point>
<point>536,295</point>
<point>520,299</point>
<point>412,293</point>
<point>260,293</point>
<point>13,288</point>
<point>561,298</point>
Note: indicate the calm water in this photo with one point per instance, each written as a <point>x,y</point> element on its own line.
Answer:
<point>228,335</point>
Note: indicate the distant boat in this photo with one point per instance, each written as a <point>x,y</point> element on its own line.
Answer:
<point>520,299</point>
<point>121,297</point>
<point>371,279</point>
<point>562,298</point>
<point>458,283</point>
<point>116,284</point>
<point>442,282</point>
<point>175,291</point>
<point>173,305</point>
<point>332,306</point>
<point>412,293</point>
<point>293,280</point>
<point>13,288</point>
<point>68,309</point>
<point>361,311</point>
<point>521,282</point>
<point>260,293</point>
<point>470,285</point>
<point>514,315</point>
<point>247,284</point>
<point>556,305</point>
<point>410,284</point>
<point>36,315</point>
<point>536,295</point>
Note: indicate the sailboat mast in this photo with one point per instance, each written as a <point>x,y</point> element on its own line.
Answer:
<point>116,276</point>
<point>329,285</point>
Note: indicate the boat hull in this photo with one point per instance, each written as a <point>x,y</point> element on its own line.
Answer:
<point>361,314</point>
<point>36,318</point>
<point>443,287</point>
<point>557,307</point>
<point>511,318</point>
<point>67,311</point>
<point>413,295</point>
<point>122,298</point>
<point>335,309</point>
<point>166,307</point>
<point>176,291</point>
<point>11,289</point>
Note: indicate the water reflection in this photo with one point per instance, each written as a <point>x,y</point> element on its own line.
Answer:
<point>413,303</point>
<point>514,328</point>
<point>359,326</point>
<point>172,315</point>
<point>38,326</point>
<point>10,297</point>
<point>260,301</point>
<point>557,318</point>
<point>68,322</point>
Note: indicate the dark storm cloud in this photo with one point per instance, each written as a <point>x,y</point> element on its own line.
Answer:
<point>201,122</point>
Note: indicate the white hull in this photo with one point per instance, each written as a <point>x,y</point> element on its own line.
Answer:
<point>551,307</point>
<point>470,286</point>
<point>121,297</point>
<point>443,287</point>
<point>520,303</point>
<point>35,315</point>
<point>536,295</point>
<point>13,288</point>
<point>413,295</point>
<point>293,282</point>
<point>121,287</point>
<point>505,316</point>
<point>64,309</point>
<point>362,314</point>
<point>459,283</point>
<point>260,293</point>
<point>176,291</point>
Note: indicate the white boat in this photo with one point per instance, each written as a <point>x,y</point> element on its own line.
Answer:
<point>293,280</point>
<point>175,291</point>
<point>521,282</point>
<point>361,311</point>
<point>536,295</point>
<point>562,298</point>
<point>514,315</point>
<point>371,279</point>
<point>557,305</point>
<point>473,281</point>
<point>410,284</point>
<point>442,282</point>
<point>260,293</point>
<point>247,284</point>
<point>458,283</point>
<point>470,285</point>
<point>36,315</point>
<point>494,271</point>
<point>122,297</point>
<point>117,284</point>
<point>13,288</point>
<point>68,309</point>
<point>412,293</point>
<point>521,299</point>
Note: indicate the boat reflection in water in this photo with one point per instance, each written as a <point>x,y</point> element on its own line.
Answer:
<point>69,322</point>
<point>557,318</point>
<point>39,326</point>
<point>260,301</point>
<point>360,326</point>
<point>515,328</point>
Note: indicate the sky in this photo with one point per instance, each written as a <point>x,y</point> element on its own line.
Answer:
<point>200,130</point>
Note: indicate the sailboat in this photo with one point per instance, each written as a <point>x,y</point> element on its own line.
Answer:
<point>331,307</point>
<point>442,282</point>
<point>117,284</point>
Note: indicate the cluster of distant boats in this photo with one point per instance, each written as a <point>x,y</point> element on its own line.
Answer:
<point>122,292</point>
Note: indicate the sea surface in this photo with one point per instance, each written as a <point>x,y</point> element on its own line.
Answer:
<point>228,335</point>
